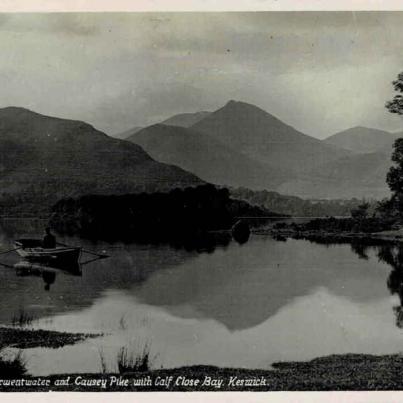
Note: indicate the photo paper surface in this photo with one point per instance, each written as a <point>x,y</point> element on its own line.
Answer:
<point>201,201</point>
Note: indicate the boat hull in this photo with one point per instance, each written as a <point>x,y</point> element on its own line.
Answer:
<point>30,251</point>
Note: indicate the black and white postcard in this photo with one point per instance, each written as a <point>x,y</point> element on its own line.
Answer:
<point>203,201</point>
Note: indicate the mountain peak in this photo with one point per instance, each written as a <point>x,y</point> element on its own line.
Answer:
<point>241,104</point>
<point>231,102</point>
<point>248,111</point>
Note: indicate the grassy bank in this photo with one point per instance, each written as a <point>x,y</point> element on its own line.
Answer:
<point>15,366</point>
<point>337,372</point>
<point>30,338</point>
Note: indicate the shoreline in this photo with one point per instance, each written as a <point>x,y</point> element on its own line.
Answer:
<point>392,236</point>
<point>23,338</point>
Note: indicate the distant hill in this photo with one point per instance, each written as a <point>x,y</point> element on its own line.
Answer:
<point>185,119</point>
<point>363,140</point>
<point>261,136</point>
<point>181,120</point>
<point>359,175</point>
<point>44,159</point>
<point>127,133</point>
<point>296,206</point>
<point>207,158</point>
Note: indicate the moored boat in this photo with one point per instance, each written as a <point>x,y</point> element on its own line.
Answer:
<point>32,250</point>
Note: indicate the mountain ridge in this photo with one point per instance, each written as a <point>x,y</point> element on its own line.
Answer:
<point>45,158</point>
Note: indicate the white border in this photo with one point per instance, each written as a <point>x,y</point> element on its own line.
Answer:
<point>197,5</point>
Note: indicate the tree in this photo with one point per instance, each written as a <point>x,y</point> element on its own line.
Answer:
<point>360,212</point>
<point>396,104</point>
<point>394,177</point>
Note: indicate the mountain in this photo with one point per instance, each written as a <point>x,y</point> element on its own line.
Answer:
<point>353,176</point>
<point>261,136</point>
<point>207,158</point>
<point>44,159</point>
<point>363,140</point>
<point>127,133</point>
<point>185,119</point>
<point>240,145</point>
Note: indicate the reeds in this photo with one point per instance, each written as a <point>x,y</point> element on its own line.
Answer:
<point>14,367</point>
<point>22,319</point>
<point>138,360</point>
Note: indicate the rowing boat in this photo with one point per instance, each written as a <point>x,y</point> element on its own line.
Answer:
<point>32,250</point>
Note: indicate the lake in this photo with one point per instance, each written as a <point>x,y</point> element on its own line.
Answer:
<point>228,305</point>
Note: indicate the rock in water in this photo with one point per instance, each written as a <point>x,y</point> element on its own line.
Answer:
<point>241,231</point>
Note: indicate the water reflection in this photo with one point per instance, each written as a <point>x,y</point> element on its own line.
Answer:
<point>236,287</point>
<point>393,256</point>
<point>360,249</point>
<point>220,303</point>
<point>47,272</point>
<point>388,252</point>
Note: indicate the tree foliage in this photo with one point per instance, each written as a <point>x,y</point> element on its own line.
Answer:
<point>361,211</point>
<point>152,217</point>
<point>394,178</point>
<point>396,104</point>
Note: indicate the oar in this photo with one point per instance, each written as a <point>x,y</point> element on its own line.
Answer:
<point>8,251</point>
<point>101,256</point>
<point>94,259</point>
<point>6,265</point>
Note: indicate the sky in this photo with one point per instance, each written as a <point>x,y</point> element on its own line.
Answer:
<point>321,72</point>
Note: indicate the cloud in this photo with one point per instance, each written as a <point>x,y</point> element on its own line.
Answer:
<point>58,23</point>
<point>319,72</point>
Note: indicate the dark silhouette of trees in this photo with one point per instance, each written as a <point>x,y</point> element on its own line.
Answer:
<point>360,211</point>
<point>394,179</point>
<point>394,206</point>
<point>181,214</point>
<point>396,104</point>
<point>393,256</point>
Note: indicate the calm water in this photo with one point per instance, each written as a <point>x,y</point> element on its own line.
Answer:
<point>238,305</point>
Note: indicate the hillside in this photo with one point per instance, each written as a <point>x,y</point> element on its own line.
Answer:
<point>261,136</point>
<point>45,158</point>
<point>207,158</point>
<point>363,140</point>
<point>185,119</point>
<point>360,176</point>
<point>295,206</point>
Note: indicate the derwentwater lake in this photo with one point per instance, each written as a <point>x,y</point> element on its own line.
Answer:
<point>229,305</point>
